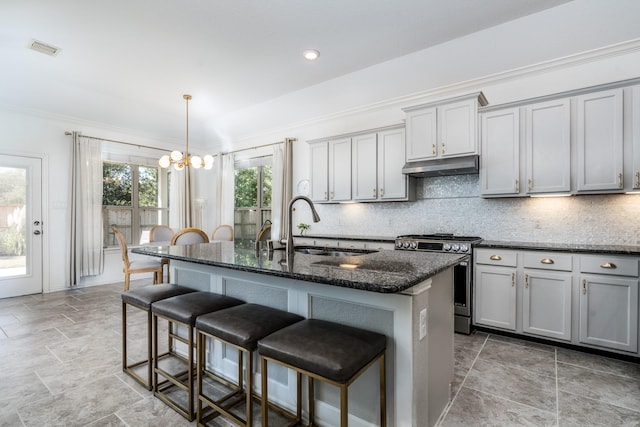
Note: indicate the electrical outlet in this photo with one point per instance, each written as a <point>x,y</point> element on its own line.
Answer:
<point>423,323</point>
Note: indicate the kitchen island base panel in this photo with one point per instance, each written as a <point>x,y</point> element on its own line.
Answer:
<point>411,378</point>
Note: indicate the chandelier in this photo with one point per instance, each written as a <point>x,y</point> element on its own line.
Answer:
<point>181,160</point>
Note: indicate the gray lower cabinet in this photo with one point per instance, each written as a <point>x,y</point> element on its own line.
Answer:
<point>546,304</point>
<point>609,302</point>
<point>588,300</point>
<point>495,297</point>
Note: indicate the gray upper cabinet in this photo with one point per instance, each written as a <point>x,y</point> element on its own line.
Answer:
<point>548,147</point>
<point>500,166</point>
<point>393,184</point>
<point>364,167</point>
<point>635,110</point>
<point>444,129</point>
<point>599,136</point>
<point>331,170</point>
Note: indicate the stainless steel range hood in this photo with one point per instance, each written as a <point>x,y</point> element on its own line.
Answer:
<point>442,167</point>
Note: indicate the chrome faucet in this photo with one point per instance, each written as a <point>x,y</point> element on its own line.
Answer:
<point>316,218</point>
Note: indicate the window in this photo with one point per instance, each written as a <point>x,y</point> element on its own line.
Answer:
<point>252,198</point>
<point>134,199</point>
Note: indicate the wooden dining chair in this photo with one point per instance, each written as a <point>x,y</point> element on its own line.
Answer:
<point>189,236</point>
<point>137,266</point>
<point>222,232</point>
<point>162,234</point>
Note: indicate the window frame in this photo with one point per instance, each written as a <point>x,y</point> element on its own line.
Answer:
<point>109,240</point>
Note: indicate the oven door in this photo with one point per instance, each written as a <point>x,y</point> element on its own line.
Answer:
<point>462,289</point>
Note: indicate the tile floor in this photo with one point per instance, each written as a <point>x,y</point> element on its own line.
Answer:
<point>61,366</point>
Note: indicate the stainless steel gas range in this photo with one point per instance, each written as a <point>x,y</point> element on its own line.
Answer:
<point>462,273</point>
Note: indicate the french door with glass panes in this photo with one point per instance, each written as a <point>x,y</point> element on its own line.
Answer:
<point>20,225</point>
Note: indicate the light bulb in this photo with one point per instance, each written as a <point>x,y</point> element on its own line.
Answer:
<point>164,161</point>
<point>178,166</point>
<point>176,155</point>
<point>196,162</point>
<point>208,161</point>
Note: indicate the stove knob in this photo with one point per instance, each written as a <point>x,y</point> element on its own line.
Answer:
<point>405,244</point>
<point>446,247</point>
<point>414,245</point>
<point>455,248</point>
<point>464,248</point>
<point>398,244</point>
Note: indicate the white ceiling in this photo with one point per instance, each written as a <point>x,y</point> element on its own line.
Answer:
<point>125,64</point>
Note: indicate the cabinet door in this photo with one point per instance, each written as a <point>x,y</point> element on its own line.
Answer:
<point>635,123</point>
<point>421,134</point>
<point>340,170</point>
<point>546,304</point>
<point>457,128</point>
<point>500,165</point>
<point>548,145</point>
<point>600,141</point>
<point>364,167</point>
<point>319,171</point>
<point>392,183</point>
<point>609,312</point>
<point>495,297</point>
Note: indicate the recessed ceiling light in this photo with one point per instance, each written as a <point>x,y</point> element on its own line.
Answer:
<point>311,54</point>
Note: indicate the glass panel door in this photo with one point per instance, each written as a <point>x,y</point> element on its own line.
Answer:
<point>20,226</point>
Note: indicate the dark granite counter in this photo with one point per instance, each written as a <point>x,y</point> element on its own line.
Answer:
<point>386,239</point>
<point>561,247</point>
<point>385,271</point>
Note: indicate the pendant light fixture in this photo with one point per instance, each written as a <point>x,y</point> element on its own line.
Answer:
<point>181,160</point>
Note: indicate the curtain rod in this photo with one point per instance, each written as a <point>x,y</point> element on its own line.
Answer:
<point>68,133</point>
<point>119,142</point>
<point>258,146</point>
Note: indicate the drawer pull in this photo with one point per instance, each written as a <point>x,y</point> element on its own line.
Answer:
<point>526,280</point>
<point>608,265</point>
<point>495,258</point>
<point>513,279</point>
<point>584,286</point>
<point>547,261</point>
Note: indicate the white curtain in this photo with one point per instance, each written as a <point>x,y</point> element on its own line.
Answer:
<point>227,197</point>
<point>182,197</point>
<point>86,242</point>
<point>281,188</point>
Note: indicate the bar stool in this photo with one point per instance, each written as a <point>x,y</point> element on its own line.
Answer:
<point>239,327</point>
<point>327,351</point>
<point>182,310</point>
<point>142,299</point>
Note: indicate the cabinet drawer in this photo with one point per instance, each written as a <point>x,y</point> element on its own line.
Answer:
<point>496,257</point>
<point>614,265</point>
<point>548,261</point>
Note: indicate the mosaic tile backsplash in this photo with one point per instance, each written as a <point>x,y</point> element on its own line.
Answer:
<point>453,204</point>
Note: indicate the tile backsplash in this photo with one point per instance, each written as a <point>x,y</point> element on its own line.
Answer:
<point>453,204</point>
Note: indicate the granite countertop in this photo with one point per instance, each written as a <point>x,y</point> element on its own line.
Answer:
<point>348,237</point>
<point>385,271</point>
<point>562,247</point>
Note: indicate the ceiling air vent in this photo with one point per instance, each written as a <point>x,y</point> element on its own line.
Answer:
<point>41,47</point>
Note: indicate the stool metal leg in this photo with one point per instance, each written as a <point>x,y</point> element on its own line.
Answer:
<point>312,400</point>
<point>344,405</point>
<point>265,396</point>
<point>383,391</point>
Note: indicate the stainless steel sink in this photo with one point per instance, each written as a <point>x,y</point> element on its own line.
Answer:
<point>332,252</point>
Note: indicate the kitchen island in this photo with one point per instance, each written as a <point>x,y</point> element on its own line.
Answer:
<point>408,296</point>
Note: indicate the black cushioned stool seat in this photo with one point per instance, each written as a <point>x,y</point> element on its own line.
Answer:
<point>241,327</point>
<point>182,310</point>
<point>142,299</point>
<point>333,353</point>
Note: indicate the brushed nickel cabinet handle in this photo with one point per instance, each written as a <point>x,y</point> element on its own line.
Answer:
<point>608,265</point>
<point>443,148</point>
<point>637,180</point>
<point>547,261</point>
<point>620,180</point>
<point>495,257</point>
<point>517,185</point>
<point>332,195</point>
<point>584,286</point>
<point>326,195</point>
<point>530,184</point>
<point>375,193</point>
<point>433,149</point>
<point>513,279</point>
<point>382,192</point>
<point>526,280</point>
